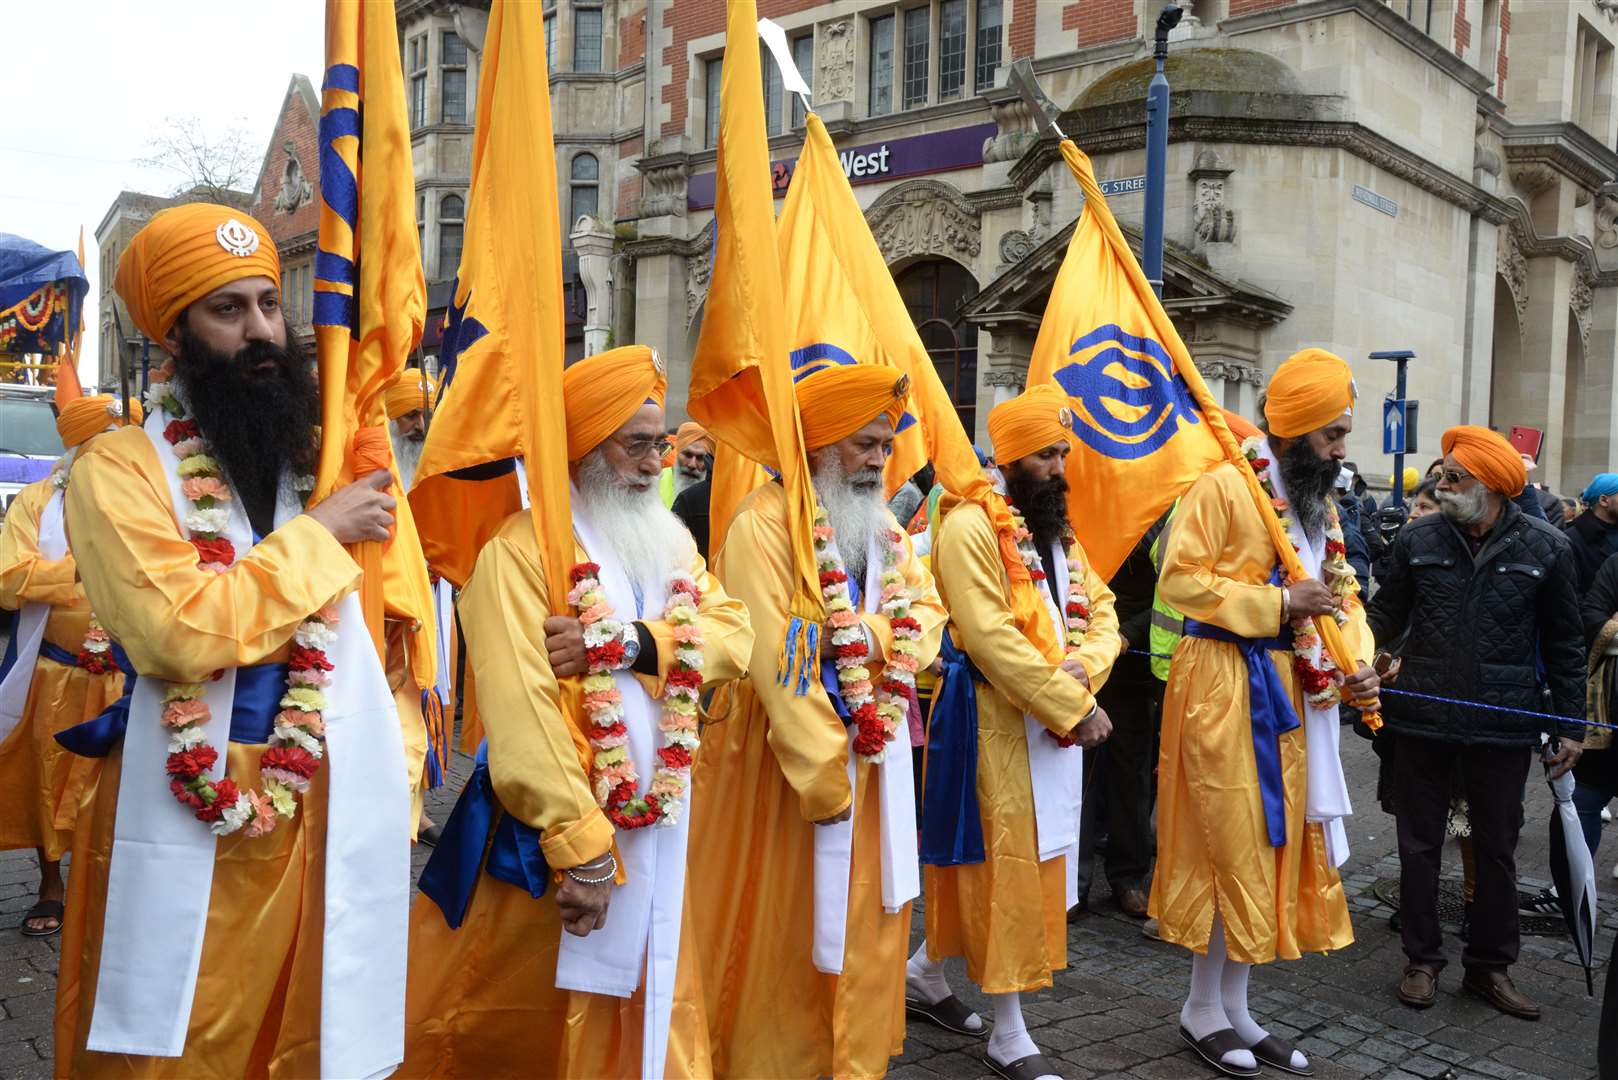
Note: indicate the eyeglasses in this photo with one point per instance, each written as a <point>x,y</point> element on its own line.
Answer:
<point>1453,478</point>
<point>644,446</point>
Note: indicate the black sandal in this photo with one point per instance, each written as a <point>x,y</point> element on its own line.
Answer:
<point>1213,1048</point>
<point>431,835</point>
<point>45,909</point>
<point>1276,1052</point>
<point>950,1014</point>
<point>1024,1068</point>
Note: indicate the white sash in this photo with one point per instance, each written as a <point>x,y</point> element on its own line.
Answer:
<point>1327,800</point>
<point>834,844</point>
<point>1056,772</point>
<point>29,633</point>
<point>643,928</point>
<point>444,617</point>
<point>161,877</point>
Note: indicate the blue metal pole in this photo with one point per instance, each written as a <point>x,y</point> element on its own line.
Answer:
<point>1400,357</point>
<point>1157,152</point>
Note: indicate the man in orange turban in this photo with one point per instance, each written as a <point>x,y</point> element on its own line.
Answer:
<point>408,399</point>
<point>693,446</point>
<point>597,968</point>
<point>1041,646</point>
<point>807,823</point>
<point>1251,795</point>
<point>1485,599</point>
<point>206,570</point>
<point>62,673</point>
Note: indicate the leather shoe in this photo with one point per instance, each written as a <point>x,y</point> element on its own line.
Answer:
<point>1419,987</point>
<point>1496,988</point>
<point>1132,902</point>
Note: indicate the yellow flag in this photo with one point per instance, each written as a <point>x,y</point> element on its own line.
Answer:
<point>1143,419</point>
<point>741,386</point>
<point>370,298</point>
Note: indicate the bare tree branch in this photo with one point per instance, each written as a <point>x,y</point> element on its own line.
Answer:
<point>209,164</point>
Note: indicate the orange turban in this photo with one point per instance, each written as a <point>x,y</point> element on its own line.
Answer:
<point>1308,391</point>
<point>186,252</point>
<point>692,433</point>
<point>1028,423</point>
<point>1488,456</point>
<point>409,391</point>
<point>86,416</point>
<point>838,400</point>
<point>600,393</point>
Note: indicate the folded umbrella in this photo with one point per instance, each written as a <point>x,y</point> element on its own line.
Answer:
<point>1573,870</point>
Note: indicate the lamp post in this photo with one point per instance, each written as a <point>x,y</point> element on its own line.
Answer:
<point>1157,151</point>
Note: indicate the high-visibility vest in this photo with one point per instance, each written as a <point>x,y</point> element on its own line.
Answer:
<point>1168,625</point>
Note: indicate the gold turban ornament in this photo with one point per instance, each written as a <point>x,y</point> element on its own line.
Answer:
<point>411,390</point>
<point>1489,457</point>
<point>600,393</point>
<point>692,434</point>
<point>84,417</point>
<point>1309,390</point>
<point>1028,423</point>
<point>186,252</point>
<point>837,401</point>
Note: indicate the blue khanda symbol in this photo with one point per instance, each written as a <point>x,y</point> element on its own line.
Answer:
<point>822,355</point>
<point>1128,399</point>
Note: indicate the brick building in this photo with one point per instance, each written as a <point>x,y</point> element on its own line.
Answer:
<point>286,199</point>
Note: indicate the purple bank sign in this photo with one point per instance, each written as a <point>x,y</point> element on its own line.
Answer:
<point>940,151</point>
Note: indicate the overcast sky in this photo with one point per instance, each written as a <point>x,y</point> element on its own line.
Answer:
<point>88,90</point>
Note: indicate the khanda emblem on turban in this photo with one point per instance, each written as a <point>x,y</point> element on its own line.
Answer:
<point>1128,401</point>
<point>236,238</point>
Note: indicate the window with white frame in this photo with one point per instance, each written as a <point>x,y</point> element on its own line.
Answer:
<point>774,117</point>
<point>451,79</point>
<point>451,223</point>
<point>880,94</point>
<point>550,40</point>
<point>587,37</point>
<point>803,57</point>
<point>585,177</point>
<point>712,75</point>
<point>942,50</point>
<point>782,109</point>
<point>416,68</point>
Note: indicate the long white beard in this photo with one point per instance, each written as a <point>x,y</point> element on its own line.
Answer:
<point>640,535</point>
<point>406,454</point>
<point>855,513</point>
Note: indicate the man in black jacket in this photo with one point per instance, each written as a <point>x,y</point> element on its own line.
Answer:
<point>1489,599</point>
<point>1594,533</point>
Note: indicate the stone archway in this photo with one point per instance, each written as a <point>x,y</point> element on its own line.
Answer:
<point>925,218</point>
<point>1511,375</point>
<point>1587,415</point>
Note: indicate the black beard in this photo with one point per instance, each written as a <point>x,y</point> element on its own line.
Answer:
<point>1042,503</point>
<point>257,423</point>
<point>1309,480</point>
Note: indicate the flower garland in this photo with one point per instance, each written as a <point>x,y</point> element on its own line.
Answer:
<point>612,773</point>
<point>1314,666</point>
<point>877,711</point>
<point>1076,612</point>
<point>296,744</point>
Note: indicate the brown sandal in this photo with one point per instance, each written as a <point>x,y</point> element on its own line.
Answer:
<point>1213,1048</point>
<point>951,1014</point>
<point>1024,1068</point>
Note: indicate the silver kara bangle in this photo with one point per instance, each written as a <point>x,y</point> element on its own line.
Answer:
<point>612,872</point>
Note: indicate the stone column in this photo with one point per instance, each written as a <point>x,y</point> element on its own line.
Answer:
<point>592,241</point>
<point>1537,396</point>
<point>1477,354</point>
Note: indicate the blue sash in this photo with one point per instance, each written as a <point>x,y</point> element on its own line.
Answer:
<point>951,827</point>
<point>513,857</point>
<point>51,651</point>
<point>252,716</point>
<point>1270,707</point>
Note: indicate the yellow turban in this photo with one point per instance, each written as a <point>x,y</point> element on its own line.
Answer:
<point>1308,391</point>
<point>838,400</point>
<point>1488,456</point>
<point>690,434</point>
<point>1028,423</point>
<point>600,393</point>
<point>1412,479</point>
<point>409,391</point>
<point>86,416</point>
<point>186,252</point>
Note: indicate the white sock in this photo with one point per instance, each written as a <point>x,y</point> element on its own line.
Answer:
<point>925,982</point>
<point>1010,1040</point>
<point>1233,992</point>
<point>1204,1010</point>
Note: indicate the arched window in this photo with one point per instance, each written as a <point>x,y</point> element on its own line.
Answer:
<point>933,292</point>
<point>451,222</point>
<point>586,179</point>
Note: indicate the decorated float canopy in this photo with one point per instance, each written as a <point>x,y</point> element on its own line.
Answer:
<point>41,295</point>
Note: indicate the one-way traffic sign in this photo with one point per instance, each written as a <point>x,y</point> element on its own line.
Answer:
<point>1393,426</point>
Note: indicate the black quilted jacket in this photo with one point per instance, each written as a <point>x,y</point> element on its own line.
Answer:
<point>1474,629</point>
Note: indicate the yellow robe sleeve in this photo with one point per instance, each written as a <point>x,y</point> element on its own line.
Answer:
<point>26,576</point>
<point>727,636</point>
<point>1102,644</point>
<point>176,621</point>
<point>533,762</point>
<point>1192,581</point>
<point>973,581</point>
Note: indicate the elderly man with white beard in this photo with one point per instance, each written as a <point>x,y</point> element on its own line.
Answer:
<point>597,978</point>
<point>806,819</point>
<point>408,398</point>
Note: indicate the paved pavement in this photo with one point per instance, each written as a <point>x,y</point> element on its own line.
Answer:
<point>1114,1012</point>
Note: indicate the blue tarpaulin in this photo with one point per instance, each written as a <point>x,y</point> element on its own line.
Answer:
<point>26,270</point>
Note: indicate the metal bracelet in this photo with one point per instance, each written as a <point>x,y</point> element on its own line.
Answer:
<point>612,872</point>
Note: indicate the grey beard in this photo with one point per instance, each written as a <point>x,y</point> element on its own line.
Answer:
<point>406,454</point>
<point>640,535</point>
<point>683,480</point>
<point>855,508</point>
<point>1311,515</point>
<point>1464,510</point>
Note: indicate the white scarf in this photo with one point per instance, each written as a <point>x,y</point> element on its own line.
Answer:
<point>29,633</point>
<point>161,877</point>
<point>1056,772</point>
<point>1327,801</point>
<point>643,934</point>
<point>834,844</point>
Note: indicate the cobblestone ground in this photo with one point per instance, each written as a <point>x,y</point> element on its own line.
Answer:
<point>1114,1012</point>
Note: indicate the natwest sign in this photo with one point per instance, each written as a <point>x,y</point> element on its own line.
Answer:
<point>915,155</point>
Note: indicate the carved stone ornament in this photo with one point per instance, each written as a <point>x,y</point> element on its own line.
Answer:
<point>1015,246</point>
<point>1514,269</point>
<point>295,190</point>
<point>664,190</point>
<point>698,268</point>
<point>1607,215</point>
<point>834,73</point>
<point>1582,298</point>
<point>925,217</point>
<point>1016,134</point>
<point>1231,372</point>
<point>1011,380</point>
<point>1215,222</point>
<point>1609,8</point>
<point>1532,178</point>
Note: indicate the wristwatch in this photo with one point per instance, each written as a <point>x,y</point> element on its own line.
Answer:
<point>629,637</point>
